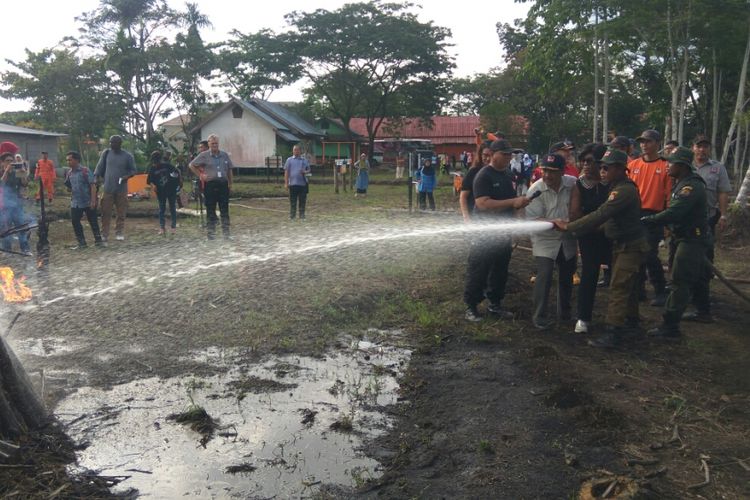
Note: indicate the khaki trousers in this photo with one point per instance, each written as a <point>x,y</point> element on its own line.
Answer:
<point>120,201</point>
<point>624,286</point>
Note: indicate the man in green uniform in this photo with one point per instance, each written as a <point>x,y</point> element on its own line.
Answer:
<point>687,219</point>
<point>620,215</point>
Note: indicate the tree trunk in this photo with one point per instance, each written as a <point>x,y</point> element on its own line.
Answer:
<point>605,96</point>
<point>744,192</point>
<point>716,104</point>
<point>739,104</point>
<point>20,408</point>
<point>683,97</point>
<point>595,127</point>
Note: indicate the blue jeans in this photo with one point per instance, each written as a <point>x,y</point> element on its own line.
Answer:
<point>172,197</point>
<point>14,216</point>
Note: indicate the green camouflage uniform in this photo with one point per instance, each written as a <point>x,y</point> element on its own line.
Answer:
<point>687,219</point>
<point>621,215</point>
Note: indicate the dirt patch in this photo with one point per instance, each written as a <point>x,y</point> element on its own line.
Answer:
<point>256,385</point>
<point>198,420</point>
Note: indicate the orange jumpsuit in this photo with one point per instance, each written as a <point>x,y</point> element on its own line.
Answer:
<point>45,170</point>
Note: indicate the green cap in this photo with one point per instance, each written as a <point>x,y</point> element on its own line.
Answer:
<point>615,156</point>
<point>681,155</point>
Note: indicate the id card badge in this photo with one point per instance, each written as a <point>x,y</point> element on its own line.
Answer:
<point>218,174</point>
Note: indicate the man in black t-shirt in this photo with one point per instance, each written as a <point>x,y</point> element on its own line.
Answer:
<point>489,256</point>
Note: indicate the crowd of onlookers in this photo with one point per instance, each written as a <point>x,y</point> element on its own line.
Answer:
<point>611,206</point>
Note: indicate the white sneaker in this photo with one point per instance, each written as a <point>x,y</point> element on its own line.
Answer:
<point>120,237</point>
<point>582,326</point>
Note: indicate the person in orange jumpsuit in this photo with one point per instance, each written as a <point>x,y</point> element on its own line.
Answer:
<point>45,170</point>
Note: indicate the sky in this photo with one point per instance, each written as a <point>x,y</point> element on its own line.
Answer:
<point>39,24</point>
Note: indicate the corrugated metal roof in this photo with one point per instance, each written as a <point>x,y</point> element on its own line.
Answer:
<point>12,129</point>
<point>289,118</point>
<point>445,129</point>
<point>287,136</point>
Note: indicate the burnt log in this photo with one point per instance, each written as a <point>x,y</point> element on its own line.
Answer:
<point>21,410</point>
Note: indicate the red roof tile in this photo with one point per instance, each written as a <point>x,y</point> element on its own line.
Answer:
<point>445,129</point>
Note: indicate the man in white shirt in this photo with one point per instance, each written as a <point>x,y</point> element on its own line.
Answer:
<point>550,247</point>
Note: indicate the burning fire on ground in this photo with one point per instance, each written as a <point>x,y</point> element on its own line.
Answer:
<point>14,290</point>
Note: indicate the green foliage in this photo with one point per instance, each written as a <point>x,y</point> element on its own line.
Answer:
<point>256,64</point>
<point>62,87</point>
<point>372,60</point>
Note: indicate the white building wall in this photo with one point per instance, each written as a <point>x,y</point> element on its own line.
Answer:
<point>248,140</point>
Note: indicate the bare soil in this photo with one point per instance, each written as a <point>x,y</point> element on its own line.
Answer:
<point>493,410</point>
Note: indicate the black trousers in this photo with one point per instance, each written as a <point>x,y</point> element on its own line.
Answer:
<point>595,251</point>
<point>297,197</point>
<point>654,234</point>
<point>423,197</point>
<point>217,193</point>
<point>487,271</point>
<point>76,214</point>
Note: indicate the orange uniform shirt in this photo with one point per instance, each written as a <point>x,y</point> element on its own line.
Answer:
<point>653,181</point>
<point>45,169</point>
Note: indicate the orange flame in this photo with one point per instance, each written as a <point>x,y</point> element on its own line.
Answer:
<point>13,290</point>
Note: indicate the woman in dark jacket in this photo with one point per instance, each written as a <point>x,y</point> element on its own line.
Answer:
<point>595,249</point>
<point>166,179</point>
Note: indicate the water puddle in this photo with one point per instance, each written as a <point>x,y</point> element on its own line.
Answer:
<point>285,427</point>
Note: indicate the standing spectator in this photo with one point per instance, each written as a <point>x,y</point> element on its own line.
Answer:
<point>687,220</point>
<point>552,247</point>
<point>214,169</point>
<point>82,186</point>
<point>400,166</point>
<point>45,170</point>
<point>296,170</point>
<point>115,166</point>
<point>426,182</point>
<point>650,174</point>
<point>166,180</point>
<point>595,248</point>
<point>489,256</point>
<point>14,178</point>
<point>620,215</point>
<point>669,148</point>
<point>363,175</point>
<point>714,173</point>
<point>19,160</point>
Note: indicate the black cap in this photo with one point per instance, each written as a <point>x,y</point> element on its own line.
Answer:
<point>44,152</point>
<point>672,143</point>
<point>701,139</point>
<point>502,145</point>
<point>553,162</point>
<point>620,142</point>
<point>561,145</point>
<point>649,135</point>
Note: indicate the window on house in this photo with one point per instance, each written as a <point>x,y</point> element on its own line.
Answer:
<point>237,112</point>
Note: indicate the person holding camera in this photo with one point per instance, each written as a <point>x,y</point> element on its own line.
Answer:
<point>14,178</point>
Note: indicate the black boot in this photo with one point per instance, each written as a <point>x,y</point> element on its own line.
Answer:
<point>666,331</point>
<point>610,339</point>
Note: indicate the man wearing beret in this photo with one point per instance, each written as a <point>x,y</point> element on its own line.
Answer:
<point>620,215</point>
<point>549,247</point>
<point>686,218</point>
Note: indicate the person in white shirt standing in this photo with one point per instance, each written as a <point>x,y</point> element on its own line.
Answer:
<point>552,247</point>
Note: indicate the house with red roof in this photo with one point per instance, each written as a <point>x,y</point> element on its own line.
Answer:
<point>450,135</point>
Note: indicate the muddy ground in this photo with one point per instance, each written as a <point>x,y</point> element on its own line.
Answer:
<point>494,410</point>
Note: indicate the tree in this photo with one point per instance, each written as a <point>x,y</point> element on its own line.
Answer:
<point>192,63</point>
<point>375,60</point>
<point>67,93</point>
<point>256,64</point>
<point>130,39</point>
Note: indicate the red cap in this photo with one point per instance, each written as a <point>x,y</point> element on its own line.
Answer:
<point>8,147</point>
